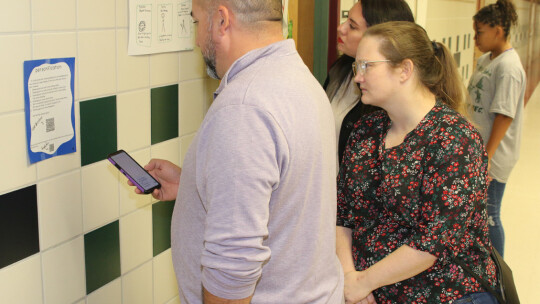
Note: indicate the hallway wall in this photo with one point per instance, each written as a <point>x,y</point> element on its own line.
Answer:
<point>71,230</point>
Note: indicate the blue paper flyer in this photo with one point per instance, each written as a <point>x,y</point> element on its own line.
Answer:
<point>49,107</point>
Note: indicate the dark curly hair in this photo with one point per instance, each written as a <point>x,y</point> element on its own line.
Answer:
<point>502,13</point>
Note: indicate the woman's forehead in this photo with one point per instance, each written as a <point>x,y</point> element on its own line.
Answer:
<point>368,46</point>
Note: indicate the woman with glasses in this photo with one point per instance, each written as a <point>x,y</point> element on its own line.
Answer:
<point>412,184</point>
<point>344,95</point>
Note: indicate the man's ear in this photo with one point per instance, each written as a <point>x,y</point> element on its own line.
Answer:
<point>224,19</point>
<point>407,69</point>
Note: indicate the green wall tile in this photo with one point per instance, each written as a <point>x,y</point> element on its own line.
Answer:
<point>320,40</point>
<point>102,256</point>
<point>161,225</point>
<point>98,129</point>
<point>164,113</point>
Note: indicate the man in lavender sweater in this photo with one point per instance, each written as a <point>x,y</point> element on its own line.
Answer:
<point>255,215</point>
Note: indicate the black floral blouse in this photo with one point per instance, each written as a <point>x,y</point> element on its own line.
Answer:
<point>428,193</point>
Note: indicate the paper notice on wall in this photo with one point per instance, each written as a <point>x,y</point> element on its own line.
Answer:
<point>49,107</point>
<point>159,26</point>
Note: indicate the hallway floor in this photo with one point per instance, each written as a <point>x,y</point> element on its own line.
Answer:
<point>521,208</point>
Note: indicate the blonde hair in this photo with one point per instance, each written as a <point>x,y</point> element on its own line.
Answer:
<point>433,62</point>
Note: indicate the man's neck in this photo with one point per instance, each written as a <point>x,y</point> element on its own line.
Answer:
<point>248,40</point>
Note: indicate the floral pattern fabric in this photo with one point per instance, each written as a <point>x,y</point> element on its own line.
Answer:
<point>429,193</point>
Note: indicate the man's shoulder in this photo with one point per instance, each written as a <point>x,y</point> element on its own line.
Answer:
<point>283,77</point>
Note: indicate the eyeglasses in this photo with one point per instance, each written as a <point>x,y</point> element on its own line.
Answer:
<point>360,67</point>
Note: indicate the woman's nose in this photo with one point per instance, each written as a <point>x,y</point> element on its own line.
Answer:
<point>358,78</point>
<point>341,28</point>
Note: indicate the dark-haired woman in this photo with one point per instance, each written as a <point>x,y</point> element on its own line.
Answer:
<point>343,93</point>
<point>413,179</point>
<point>497,90</point>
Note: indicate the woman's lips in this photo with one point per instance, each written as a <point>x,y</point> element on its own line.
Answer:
<point>339,40</point>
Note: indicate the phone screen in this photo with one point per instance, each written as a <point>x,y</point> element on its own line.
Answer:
<point>133,171</point>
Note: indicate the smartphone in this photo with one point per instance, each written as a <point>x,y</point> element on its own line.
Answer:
<point>133,171</point>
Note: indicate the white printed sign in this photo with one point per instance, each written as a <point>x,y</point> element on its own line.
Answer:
<point>158,26</point>
<point>49,107</point>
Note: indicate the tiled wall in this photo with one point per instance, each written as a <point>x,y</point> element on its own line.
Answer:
<point>71,230</point>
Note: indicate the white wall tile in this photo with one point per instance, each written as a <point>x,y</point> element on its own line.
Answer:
<point>55,45</point>
<point>163,69</point>
<point>53,15</point>
<point>192,65</point>
<point>93,14</point>
<point>192,96</point>
<point>169,150</point>
<point>97,63</point>
<point>63,273</point>
<point>165,286</point>
<point>122,13</point>
<point>132,70</point>
<point>14,16</point>
<point>99,194</point>
<point>11,73</point>
<point>108,294</point>
<point>60,209</point>
<point>133,114</point>
<point>176,300</point>
<point>137,285</point>
<point>129,200</point>
<point>136,238</point>
<point>16,168</point>
<point>21,282</point>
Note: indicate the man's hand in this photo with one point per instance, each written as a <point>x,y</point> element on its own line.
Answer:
<point>167,174</point>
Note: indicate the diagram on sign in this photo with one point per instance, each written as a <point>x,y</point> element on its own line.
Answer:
<point>184,19</point>
<point>165,20</point>
<point>157,26</point>
<point>144,25</point>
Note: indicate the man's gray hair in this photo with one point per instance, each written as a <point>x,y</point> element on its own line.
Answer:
<point>251,11</point>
